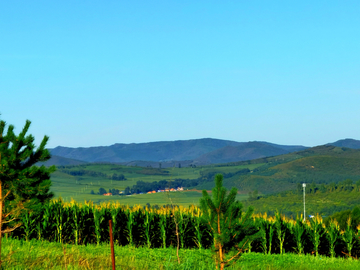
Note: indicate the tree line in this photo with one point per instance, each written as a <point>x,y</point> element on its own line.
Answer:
<point>114,176</point>
<point>345,185</point>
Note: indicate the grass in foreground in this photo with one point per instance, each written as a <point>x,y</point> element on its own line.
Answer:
<point>34,254</point>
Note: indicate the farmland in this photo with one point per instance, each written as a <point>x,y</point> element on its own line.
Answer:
<point>79,188</point>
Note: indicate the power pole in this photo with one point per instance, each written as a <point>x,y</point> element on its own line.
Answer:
<point>304,185</point>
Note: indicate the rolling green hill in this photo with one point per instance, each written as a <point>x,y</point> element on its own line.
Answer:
<point>61,161</point>
<point>322,164</point>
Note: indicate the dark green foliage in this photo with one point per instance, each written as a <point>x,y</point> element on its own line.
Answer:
<point>102,191</point>
<point>82,172</point>
<point>26,185</point>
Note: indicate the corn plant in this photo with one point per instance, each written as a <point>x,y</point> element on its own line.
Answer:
<point>28,221</point>
<point>99,217</point>
<point>163,223</point>
<point>280,227</point>
<point>184,224</point>
<point>115,212</point>
<point>86,222</point>
<point>266,232</point>
<point>298,228</point>
<point>59,210</point>
<point>348,236</point>
<point>316,231</point>
<point>39,230</point>
<point>271,233</point>
<point>129,226</point>
<point>75,215</point>
<point>333,235</point>
<point>196,217</point>
<point>149,217</point>
<point>47,224</point>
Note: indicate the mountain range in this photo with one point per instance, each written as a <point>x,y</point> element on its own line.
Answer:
<point>184,152</point>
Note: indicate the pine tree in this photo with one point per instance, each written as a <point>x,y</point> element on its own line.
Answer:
<point>230,227</point>
<point>23,184</point>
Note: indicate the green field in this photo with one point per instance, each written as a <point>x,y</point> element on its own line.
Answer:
<point>18,254</point>
<point>79,187</point>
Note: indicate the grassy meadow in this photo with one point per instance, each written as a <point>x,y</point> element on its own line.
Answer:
<point>46,255</point>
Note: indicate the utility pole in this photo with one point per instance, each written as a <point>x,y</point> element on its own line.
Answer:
<point>304,185</point>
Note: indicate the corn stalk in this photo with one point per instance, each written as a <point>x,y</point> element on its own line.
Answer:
<point>348,236</point>
<point>163,219</point>
<point>149,217</point>
<point>316,232</point>
<point>333,234</point>
<point>99,217</point>
<point>196,217</point>
<point>129,226</point>
<point>298,229</point>
<point>280,230</point>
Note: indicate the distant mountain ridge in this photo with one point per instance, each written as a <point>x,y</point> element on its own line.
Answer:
<point>152,151</point>
<point>198,152</point>
<point>185,152</point>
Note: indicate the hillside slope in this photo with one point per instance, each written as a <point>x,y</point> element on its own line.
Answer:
<point>322,164</point>
<point>246,151</point>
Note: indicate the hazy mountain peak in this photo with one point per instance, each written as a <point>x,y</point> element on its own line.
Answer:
<point>349,143</point>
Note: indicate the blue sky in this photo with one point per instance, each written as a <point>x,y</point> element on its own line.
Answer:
<point>90,73</point>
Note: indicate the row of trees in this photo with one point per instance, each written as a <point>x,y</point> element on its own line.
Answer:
<point>114,176</point>
<point>345,185</point>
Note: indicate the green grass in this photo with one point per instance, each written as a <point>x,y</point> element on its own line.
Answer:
<point>34,254</point>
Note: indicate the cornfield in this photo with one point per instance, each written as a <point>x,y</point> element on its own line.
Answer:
<point>87,223</point>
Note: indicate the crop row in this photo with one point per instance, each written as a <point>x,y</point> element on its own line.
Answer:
<point>138,226</point>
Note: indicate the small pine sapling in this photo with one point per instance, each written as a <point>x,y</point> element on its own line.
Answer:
<point>230,227</point>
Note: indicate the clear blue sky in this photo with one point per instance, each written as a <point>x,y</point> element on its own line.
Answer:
<point>91,73</point>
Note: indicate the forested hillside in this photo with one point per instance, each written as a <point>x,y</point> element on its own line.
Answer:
<point>322,164</point>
